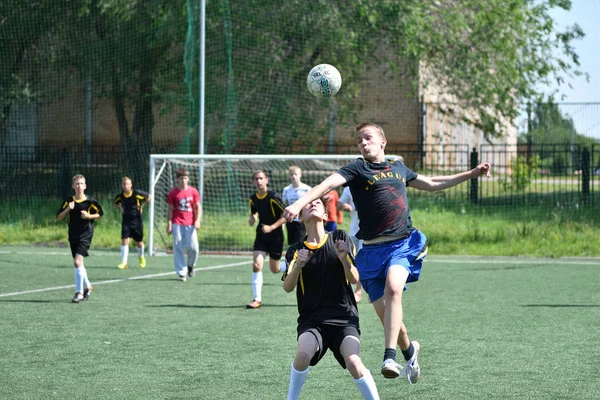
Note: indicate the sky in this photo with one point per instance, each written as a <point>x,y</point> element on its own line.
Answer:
<point>585,13</point>
<point>586,117</point>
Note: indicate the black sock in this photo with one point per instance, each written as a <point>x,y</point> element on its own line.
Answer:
<point>389,353</point>
<point>408,353</point>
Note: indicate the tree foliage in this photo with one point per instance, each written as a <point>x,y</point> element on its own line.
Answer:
<point>487,55</point>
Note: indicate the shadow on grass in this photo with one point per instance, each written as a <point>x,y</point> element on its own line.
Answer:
<point>203,283</point>
<point>231,306</point>
<point>507,268</point>
<point>562,305</point>
<point>33,301</point>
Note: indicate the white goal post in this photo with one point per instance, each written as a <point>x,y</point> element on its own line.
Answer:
<point>225,182</point>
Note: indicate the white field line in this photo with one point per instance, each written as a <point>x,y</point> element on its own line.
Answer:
<point>123,279</point>
<point>508,260</point>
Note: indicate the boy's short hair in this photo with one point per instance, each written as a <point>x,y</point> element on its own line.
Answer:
<point>77,177</point>
<point>294,168</point>
<point>182,172</point>
<point>364,125</point>
<point>126,178</point>
<point>258,172</point>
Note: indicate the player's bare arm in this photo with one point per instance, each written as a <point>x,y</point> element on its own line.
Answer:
<point>433,184</point>
<point>198,215</point>
<point>331,182</point>
<point>252,219</point>
<point>169,218</point>
<point>87,215</point>
<point>271,228</point>
<point>144,203</point>
<point>292,277</point>
<point>64,212</point>
<point>342,249</point>
<point>343,207</point>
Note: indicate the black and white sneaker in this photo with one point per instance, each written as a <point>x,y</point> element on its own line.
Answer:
<point>77,298</point>
<point>87,292</point>
<point>191,272</point>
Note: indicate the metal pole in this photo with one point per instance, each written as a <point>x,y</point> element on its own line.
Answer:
<point>151,216</point>
<point>201,94</point>
<point>88,119</point>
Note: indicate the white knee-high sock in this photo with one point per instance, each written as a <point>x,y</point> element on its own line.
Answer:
<point>282,266</point>
<point>366,387</point>
<point>257,281</point>
<point>140,251</point>
<point>297,379</point>
<point>86,281</point>
<point>78,280</point>
<point>124,253</point>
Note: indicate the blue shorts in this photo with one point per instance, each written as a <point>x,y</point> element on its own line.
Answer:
<point>374,260</point>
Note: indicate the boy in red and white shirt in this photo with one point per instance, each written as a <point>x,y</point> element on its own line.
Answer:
<point>184,215</point>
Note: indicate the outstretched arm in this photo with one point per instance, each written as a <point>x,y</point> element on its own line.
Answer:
<point>333,181</point>
<point>433,184</point>
<point>294,269</point>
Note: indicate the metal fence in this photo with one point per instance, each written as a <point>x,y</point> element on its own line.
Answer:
<point>523,174</point>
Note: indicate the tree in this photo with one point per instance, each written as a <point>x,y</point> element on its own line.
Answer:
<point>488,55</point>
<point>24,27</point>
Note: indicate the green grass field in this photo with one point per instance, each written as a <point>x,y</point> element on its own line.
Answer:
<point>490,328</point>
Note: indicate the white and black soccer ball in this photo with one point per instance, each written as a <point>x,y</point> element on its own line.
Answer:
<point>324,81</point>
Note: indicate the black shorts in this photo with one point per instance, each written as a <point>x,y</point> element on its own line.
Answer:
<point>270,243</point>
<point>329,337</point>
<point>80,247</point>
<point>134,231</point>
<point>295,232</point>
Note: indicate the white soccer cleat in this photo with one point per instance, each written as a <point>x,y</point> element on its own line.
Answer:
<point>390,369</point>
<point>412,369</point>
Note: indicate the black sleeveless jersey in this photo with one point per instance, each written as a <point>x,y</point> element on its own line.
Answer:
<point>323,293</point>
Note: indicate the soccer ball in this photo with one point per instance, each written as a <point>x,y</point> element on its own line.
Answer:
<point>324,81</point>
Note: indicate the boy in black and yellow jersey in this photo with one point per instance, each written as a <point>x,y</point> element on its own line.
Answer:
<point>131,202</point>
<point>321,270</point>
<point>265,206</point>
<point>82,211</point>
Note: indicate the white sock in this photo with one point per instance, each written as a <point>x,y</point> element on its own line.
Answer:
<point>257,281</point>
<point>282,266</point>
<point>366,387</point>
<point>297,379</point>
<point>124,253</point>
<point>78,280</point>
<point>86,281</point>
<point>141,251</point>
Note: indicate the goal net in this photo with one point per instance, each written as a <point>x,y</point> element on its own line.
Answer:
<point>225,185</point>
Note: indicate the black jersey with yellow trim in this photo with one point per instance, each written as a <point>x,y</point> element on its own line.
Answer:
<point>79,227</point>
<point>323,293</point>
<point>132,204</point>
<point>269,207</point>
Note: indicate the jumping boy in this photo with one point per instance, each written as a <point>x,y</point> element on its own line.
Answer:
<point>393,251</point>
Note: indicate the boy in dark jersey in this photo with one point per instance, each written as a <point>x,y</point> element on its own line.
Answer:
<point>131,203</point>
<point>267,206</point>
<point>82,211</point>
<point>321,270</point>
<point>393,250</point>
